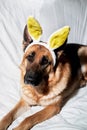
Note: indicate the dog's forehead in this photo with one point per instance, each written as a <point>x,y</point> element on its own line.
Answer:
<point>37,48</point>
<point>43,48</point>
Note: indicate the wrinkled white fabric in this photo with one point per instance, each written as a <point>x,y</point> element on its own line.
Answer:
<point>52,15</point>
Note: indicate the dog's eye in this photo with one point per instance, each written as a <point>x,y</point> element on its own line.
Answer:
<point>31,56</point>
<point>44,60</point>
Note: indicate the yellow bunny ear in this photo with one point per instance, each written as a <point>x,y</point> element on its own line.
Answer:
<point>58,38</point>
<point>34,28</point>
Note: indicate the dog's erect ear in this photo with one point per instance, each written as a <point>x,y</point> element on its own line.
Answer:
<point>59,38</point>
<point>26,35</point>
<point>26,38</point>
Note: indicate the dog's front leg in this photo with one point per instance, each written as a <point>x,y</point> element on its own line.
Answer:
<point>13,114</point>
<point>38,117</point>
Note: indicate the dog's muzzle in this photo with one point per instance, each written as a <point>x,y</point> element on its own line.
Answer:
<point>33,78</point>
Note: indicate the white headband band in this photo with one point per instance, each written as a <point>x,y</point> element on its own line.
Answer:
<point>47,47</point>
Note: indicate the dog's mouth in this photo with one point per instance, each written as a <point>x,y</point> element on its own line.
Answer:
<point>33,78</point>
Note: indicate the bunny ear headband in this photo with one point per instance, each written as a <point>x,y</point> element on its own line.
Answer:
<point>56,40</point>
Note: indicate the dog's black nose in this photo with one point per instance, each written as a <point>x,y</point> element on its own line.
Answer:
<point>33,78</point>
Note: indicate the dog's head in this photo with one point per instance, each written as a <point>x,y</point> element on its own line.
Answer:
<point>38,62</point>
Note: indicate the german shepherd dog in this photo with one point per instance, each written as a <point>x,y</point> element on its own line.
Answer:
<point>46,84</point>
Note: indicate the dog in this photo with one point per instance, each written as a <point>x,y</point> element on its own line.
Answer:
<point>46,82</point>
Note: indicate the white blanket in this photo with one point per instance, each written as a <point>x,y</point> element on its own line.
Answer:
<point>52,14</point>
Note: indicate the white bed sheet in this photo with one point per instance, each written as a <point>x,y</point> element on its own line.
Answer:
<point>52,15</point>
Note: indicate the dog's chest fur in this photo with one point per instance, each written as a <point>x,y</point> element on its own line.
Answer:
<point>33,98</point>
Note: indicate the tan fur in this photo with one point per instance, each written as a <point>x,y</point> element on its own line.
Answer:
<point>82,52</point>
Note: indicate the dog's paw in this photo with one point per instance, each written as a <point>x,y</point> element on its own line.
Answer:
<point>3,127</point>
<point>22,126</point>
